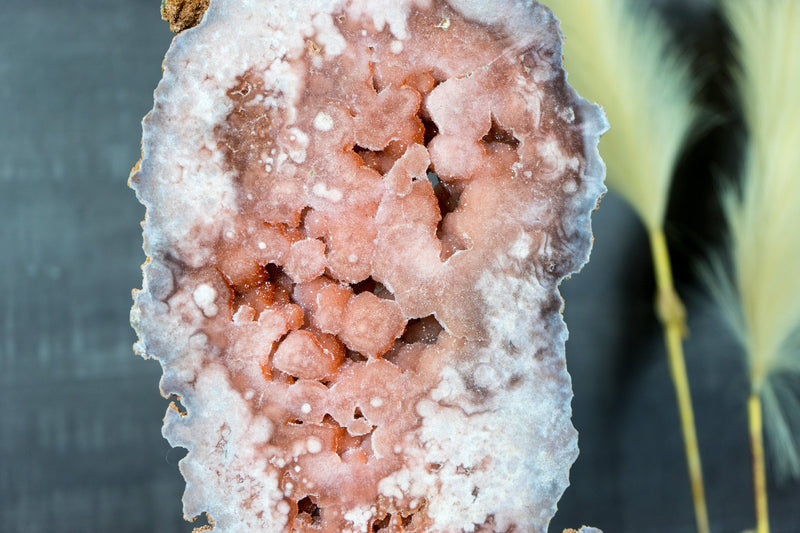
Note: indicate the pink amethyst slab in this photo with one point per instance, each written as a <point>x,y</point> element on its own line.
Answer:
<point>358,215</point>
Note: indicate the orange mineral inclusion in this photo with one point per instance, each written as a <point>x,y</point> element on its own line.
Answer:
<point>358,214</point>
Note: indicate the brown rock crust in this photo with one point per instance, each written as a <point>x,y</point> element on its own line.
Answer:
<point>183,14</point>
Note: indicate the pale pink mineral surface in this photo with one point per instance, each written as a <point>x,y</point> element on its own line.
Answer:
<point>358,213</point>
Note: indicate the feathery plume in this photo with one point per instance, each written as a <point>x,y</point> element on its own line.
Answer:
<point>621,55</point>
<point>764,214</point>
<point>761,296</point>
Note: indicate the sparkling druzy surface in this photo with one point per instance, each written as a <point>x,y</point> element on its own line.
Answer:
<point>358,214</point>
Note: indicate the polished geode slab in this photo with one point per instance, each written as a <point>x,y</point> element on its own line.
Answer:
<point>358,214</point>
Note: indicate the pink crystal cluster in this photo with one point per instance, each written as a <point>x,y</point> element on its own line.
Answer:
<point>358,214</point>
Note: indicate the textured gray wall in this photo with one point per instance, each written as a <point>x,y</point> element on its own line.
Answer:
<point>80,415</point>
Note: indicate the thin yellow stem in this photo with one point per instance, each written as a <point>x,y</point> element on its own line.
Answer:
<point>672,315</point>
<point>759,472</point>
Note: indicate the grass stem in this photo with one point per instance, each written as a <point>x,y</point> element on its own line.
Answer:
<point>755,422</point>
<point>672,315</point>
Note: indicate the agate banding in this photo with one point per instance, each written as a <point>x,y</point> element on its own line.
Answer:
<point>358,214</point>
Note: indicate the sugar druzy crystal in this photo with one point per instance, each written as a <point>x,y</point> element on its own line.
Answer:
<point>358,214</point>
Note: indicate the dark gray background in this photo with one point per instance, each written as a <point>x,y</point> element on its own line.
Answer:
<point>80,415</point>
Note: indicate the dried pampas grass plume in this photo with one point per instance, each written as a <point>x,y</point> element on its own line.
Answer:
<point>762,296</point>
<point>764,216</point>
<point>619,54</point>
